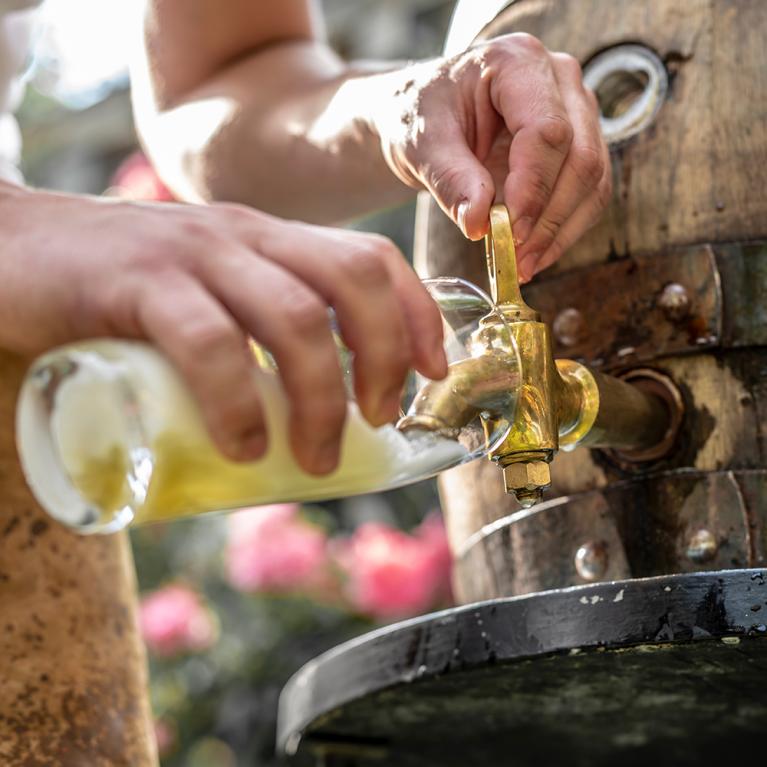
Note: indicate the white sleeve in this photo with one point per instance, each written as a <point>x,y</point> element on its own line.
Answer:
<point>10,149</point>
<point>469,19</point>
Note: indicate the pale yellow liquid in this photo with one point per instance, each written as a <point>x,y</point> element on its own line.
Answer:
<point>190,476</point>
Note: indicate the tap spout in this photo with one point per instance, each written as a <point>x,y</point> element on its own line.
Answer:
<point>486,384</point>
<point>548,404</point>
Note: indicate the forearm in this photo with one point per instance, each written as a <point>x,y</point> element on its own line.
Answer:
<point>240,100</point>
<point>288,129</point>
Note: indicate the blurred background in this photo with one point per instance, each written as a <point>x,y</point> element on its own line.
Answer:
<point>233,604</point>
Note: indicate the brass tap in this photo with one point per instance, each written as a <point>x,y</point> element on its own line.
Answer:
<point>559,403</point>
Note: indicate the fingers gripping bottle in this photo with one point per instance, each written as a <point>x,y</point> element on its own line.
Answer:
<point>109,435</point>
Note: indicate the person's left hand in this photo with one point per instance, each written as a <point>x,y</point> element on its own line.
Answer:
<point>505,121</point>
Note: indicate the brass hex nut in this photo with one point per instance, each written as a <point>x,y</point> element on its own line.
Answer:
<point>527,476</point>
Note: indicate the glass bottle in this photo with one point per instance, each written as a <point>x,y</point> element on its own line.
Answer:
<point>109,435</point>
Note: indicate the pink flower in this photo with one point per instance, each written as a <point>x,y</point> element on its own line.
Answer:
<point>392,574</point>
<point>272,548</point>
<point>136,179</point>
<point>174,620</point>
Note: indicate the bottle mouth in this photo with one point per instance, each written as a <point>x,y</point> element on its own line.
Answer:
<point>80,440</point>
<point>475,403</point>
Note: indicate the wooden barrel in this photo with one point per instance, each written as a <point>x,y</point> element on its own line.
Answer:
<point>73,681</point>
<point>674,278</point>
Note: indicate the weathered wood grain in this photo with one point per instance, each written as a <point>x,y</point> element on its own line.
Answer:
<point>693,179</point>
<point>73,681</point>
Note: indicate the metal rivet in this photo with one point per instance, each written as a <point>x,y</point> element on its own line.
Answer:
<point>568,327</point>
<point>591,560</point>
<point>674,302</point>
<point>702,546</point>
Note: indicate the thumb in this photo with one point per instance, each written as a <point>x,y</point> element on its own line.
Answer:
<point>461,185</point>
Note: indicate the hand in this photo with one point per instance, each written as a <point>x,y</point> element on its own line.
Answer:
<point>198,282</point>
<point>507,119</point>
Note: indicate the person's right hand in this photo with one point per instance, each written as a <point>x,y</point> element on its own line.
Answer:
<point>198,282</point>
<point>506,120</point>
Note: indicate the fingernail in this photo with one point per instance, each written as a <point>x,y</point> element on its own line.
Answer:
<point>326,457</point>
<point>481,234</point>
<point>522,228</point>
<point>440,362</point>
<point>433,360</point>
<point>244,447</point>
<point>463,209</point>
<point>386,409</point>
<point>390,405</point>
<point>370,407</point>
<point>253,445</point>
<point>526,267</point>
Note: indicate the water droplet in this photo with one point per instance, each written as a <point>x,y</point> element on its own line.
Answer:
<point>591,560</point>
<point>528,501</point>
<point>569,327</point>
<point>702,546</point>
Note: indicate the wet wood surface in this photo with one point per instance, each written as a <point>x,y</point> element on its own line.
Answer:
<point>660,671</point>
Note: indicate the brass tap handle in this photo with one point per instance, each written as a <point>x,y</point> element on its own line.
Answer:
<point>502,267</point>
